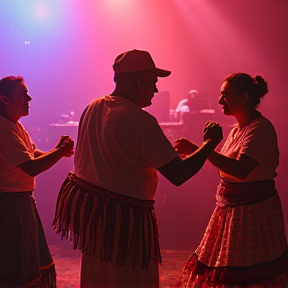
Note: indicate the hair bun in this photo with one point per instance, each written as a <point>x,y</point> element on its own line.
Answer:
<point>260,85</point>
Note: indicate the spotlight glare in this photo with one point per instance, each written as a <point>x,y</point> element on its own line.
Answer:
<point>41,10</point>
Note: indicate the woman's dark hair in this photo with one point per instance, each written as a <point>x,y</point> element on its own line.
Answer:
<point>256,87</point>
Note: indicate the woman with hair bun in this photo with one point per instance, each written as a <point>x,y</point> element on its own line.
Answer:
<point>244,244</point>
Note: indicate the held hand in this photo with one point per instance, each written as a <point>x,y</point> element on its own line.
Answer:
<point>62,140</point>
<point>213,131</point>
<point>66,146</point>
<point>185,147</point>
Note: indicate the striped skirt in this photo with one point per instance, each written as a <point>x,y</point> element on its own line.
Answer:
<point>244,244</point>
<point>25,259</point>
<point>106,225</point>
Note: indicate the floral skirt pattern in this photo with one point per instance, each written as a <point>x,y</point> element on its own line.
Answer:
<point>244,244</point>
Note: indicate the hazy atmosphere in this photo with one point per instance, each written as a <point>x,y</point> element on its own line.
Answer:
<point>65,50</point>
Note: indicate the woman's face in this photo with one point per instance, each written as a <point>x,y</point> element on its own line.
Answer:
<point>17,104</point>
<point>229,99</point>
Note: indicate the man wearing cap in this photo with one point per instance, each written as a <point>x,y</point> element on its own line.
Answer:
<point>107,203</point>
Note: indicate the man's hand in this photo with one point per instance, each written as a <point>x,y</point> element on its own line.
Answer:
<point>185,147</point>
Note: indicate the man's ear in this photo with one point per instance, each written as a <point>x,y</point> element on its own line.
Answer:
<point>4,99</point>
<point>140,83</point>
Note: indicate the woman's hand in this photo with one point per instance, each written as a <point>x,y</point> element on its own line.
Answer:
<point>213,131</point>
<point>66,144</point>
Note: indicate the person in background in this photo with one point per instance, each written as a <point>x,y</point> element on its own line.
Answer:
<point>25,259</point>
<point>107,203</point>
<point>244,244</point>
<point>194,103</point>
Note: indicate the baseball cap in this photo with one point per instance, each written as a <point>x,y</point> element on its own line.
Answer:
<point>137,60</point>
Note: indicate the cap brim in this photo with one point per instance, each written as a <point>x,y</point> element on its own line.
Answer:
<point>161,72</point>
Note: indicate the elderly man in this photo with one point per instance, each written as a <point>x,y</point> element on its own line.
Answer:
<point>107,203</point>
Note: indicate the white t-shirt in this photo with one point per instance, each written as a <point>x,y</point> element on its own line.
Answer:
<point>15,148</point>
<point>119,147</point>
<point>182,106</point>
<point>257,140</point>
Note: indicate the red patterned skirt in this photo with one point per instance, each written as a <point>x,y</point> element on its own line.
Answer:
<point>106,225</point>
<point>25,259</point>
<point>244,244</point>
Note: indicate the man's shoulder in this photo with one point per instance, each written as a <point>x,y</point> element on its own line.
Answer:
<point>92,104</point>
<point>121,107</point>
<point>97,100</point>
<point>146,115</point>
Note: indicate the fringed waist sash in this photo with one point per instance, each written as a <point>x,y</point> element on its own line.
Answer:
<point>107,225</point>
<point>236,194</point>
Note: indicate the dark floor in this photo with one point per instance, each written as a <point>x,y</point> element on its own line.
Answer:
<point>68,266</point>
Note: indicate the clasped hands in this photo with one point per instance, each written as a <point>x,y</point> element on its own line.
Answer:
<point>212,131</point>
<point>66,144</point>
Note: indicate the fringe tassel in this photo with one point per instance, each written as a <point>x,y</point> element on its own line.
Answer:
<point>107,225</point>
<point>47,278</point>
<point>237,275</point>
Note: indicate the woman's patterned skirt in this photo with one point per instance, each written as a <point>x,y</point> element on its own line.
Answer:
<point>244,244</point>
<point>25,259</point>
